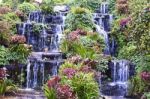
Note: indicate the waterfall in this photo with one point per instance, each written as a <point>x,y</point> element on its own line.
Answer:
<point>106,39</point>
<point>28,74</point>
<point>35,72</point>
<point>120,71</point>
<point>103,22</point>
<point>44,33</point>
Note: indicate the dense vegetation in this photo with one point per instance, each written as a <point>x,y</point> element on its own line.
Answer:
<point>78,76</point>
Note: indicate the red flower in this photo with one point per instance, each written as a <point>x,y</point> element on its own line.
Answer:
<point>18,39</point>
<point>2,73</point>
<point>52,83</point>
<point>76,34</point>
<point>69,72</point>
<point>64,92</point>
<point>145,76</point>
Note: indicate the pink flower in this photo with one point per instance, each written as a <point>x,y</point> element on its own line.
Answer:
<point>145,76</point>
<point>69,72</point>
<point>64,92</point>
<point>2,73</point>
<point>86,69</point>
<point>18,39</point>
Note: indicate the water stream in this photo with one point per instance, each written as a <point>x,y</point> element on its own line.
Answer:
<point>121,70</point>
<point>44,33</point>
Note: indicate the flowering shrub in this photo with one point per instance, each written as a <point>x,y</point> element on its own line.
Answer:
<point>65,92</point>
<point>19,13</point>
<point>69,72</point>
<point>122,6</point>
<point>90,63</point>
<point>75,59</point>
<point>145,76</point>
<point>124,22</point>
<point>2,73</point>
<point>76,34</point>
<point>4,10</point>
<point>85,69</point>
<point>17,39</point>
<point>52,83</point>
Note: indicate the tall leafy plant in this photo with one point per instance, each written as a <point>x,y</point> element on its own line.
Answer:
<point>79,18</point>
<point>3,56</point>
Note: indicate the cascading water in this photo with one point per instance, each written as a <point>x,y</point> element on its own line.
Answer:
<point>28,73</point>
<point>121,70</point>
<point>103,22</point>
<point>44,33</point>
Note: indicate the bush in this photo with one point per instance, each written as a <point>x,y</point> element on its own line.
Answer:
<point>47,6</point>
<point>26,7</point>
<point>89,4</point>
<point>85,86</point>
<point>3,56</point>
<point>12,19</point>
<point>18,53</point>
<point>7,86</point>
<point>17,39</point>
<point>79,18</point>
<point>4,10</point>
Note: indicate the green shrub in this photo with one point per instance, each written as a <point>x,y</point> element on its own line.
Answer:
<point>47,6</point>
<point>137,86</point>
<point>7,86</point>
<point>12,19</point>
<point>27,7</point>
<point>3,56</point>
<point>85,86</point>
<point>49,93</point>
<point>79,18</point>
<point>89,4</point>
<point>19,53</point>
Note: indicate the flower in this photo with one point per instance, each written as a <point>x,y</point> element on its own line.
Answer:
<point>52,83</point>
<point>75,59</point>
<point>69,72</point>
<point>65,92</point>
<point>124,21</point>
<point>86,69</point>
<point>18,39</point>
<point>145,76</point>
<point>2,73</point>
<point>76,34</point>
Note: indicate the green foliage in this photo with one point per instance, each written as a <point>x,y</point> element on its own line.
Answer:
<point>137,85</point>
<point>147,94</point>
<point>49,93</point>
<point>137,5</point>
<point>7,86</point>
<point>89,4</point>
<point>47,6</point>
<point>18,53</point>
<point>37,28</point>
<point>79,18</point>
<point>139,31</point>
<point>85,86</point>
<point>142,63</point>
<point>85,46</point>
<point>127,51</point>
<point>26,7</point>
<point>112,4</point>
<point>102,63</point>
<point>3,55</point>
<point>12,19</point>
